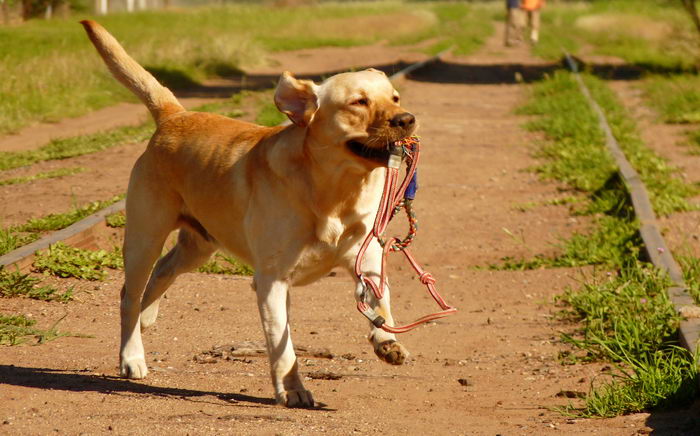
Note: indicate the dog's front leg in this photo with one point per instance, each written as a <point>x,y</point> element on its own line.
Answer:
<point>273,303</point>
<point>385,345</point>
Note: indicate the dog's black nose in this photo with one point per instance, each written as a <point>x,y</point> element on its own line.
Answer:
<point>402,120</point>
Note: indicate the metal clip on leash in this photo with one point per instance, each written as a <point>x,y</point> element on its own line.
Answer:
<point>393,199</point>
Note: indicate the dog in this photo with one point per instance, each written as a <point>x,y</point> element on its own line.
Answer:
<point>293,201</point>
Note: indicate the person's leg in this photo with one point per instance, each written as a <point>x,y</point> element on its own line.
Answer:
<point>510,17</point>
<point>535,26</point>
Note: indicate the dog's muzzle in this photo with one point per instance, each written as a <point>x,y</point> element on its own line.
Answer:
<point>378,155</point>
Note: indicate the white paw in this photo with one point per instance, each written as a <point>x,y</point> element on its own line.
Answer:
<point>298,398</point>
<point>134,367</point>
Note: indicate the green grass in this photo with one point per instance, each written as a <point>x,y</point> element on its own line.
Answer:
<point>61,172</point>
<point>14,284</point>
<point>667,191</point>
<point>76,146</point>
<point>628,320</point>
<point>462,26</point>
<point>575,154</point>
<point>116,220</point>
<point>691,274</point>
<point>46,65</point>
<point>15,330</point>
<point>655,35</point>
<point>224,264</point>
<point>625,317</point>
<point>676,97</point>
<point>17,236</point>
<point>64,261</point>
<point>57,221</point>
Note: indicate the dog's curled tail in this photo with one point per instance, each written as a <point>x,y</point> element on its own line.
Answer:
<point>157,98</point>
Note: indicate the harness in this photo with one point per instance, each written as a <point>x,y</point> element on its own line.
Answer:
<point>394,198</point>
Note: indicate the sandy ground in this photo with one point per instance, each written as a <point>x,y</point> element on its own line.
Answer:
<point>490,369</point>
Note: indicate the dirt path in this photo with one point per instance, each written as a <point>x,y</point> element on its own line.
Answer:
<point>490,369</point>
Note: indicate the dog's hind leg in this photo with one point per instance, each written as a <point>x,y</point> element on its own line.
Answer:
<point>385,345</point>
<point>150,219</point>
<point>192,251</point>
<point>273,303</point>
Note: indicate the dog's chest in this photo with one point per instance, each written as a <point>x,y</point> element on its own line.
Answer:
<point>335,245</point>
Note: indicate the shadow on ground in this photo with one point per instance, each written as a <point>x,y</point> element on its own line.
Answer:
<point>80,381</point>
<point>438,72</point>
<point>677,422</point>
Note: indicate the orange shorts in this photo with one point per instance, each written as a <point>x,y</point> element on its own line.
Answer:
<point>531,5</point>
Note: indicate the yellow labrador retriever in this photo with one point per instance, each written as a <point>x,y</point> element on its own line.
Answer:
<point>293,201</point>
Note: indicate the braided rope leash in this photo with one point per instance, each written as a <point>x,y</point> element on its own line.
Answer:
<point>394,198</point>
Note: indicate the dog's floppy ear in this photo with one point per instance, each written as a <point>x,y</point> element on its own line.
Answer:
<point>297,99</point>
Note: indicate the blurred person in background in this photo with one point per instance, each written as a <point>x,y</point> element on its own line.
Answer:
<point>532,10</point>
<point>514,28</point>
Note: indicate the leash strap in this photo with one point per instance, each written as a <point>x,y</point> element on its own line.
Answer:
<point>393,199</point>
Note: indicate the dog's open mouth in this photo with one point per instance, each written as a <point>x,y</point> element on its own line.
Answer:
<point>379,155</point>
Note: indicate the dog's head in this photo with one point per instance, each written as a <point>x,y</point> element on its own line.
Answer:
<point>355,115</point>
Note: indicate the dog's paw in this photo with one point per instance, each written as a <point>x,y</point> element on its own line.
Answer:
<point>298,398</point>
<point>391,352</point>
<point>133,368</point>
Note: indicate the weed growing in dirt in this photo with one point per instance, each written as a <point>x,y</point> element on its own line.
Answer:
<point>224,264</point>
<point>17,236</point>
<point>116,220</point>
<point>14,330</point>
<point>61,172</point>
<point>10,240</point>
<point>76,146</point>
<point>691,274</point>
<point>628,320</point>
<point>64,261</point>
<point>15,283</point>
<point>57,221</point>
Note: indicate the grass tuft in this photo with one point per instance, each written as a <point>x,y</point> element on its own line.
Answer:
<point>64,261</point>
<point>14,330</point>
<point>224,264</point>
<point>61,172</point>
<point>116,220</point>
<point>628,320</point>
<point>13,284</point>
<point>76,146</point>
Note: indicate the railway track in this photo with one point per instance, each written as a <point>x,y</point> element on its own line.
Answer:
<point>655,247</point>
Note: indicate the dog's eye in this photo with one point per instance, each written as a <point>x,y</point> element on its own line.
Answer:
<point>361,102</point>
<point>396,99</point>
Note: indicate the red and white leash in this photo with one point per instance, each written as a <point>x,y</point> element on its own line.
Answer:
<point>392,197</point>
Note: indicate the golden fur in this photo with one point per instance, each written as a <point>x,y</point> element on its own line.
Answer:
<point>292,201</point>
